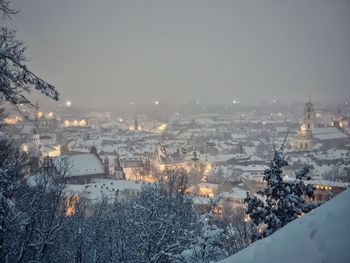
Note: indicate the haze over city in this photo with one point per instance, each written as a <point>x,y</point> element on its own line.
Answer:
<point>115,52</point>
<point>175,131</point>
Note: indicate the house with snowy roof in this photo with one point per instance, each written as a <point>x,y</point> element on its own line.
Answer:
<point>81,168</point>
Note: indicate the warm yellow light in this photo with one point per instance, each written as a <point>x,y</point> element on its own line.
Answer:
<point>68,103</point>
<point>82,123</point>
<point>50,114</point>
<point>11,120</point>
<point>71,204</point>
<point>24,148</point>
<point>75,123</point>
<point>162,167</point>
<point>207,168</point>
<point>56,152</point>
<point>39,114</point>
<point>303,127</point>
<point>206,191</point>
<point>161,128</point>
<point>66,123</point>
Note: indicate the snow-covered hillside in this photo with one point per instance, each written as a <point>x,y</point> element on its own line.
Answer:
<point>323,235</point>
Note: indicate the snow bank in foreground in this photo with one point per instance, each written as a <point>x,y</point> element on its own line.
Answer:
<point>320,236</point>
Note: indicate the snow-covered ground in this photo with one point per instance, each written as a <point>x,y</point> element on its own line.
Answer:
<point>320,236</point>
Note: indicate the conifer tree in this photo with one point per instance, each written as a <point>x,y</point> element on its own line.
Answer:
<point>282,202</point>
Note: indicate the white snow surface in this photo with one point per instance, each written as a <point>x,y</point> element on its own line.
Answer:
<point>320,236</point>
<point>82,164</point>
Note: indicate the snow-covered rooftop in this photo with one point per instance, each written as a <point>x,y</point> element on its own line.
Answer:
<point>103,188</point>
<point>328,133</point>
<point>82,164</point>
<point>320,236</point>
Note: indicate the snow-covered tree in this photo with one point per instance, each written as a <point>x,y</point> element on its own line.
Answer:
<point>31,211</point>
<point>12,188</point>
<point>237,229</point>
<point>164,221</point>
<point>282,201</point>
<point>209,245</point>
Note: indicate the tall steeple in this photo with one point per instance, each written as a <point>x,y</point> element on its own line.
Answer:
<point>304,139</point>
<point>136,124</point>
<point>309,115</point>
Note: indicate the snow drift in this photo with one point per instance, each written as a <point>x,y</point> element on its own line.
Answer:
<point>322,235</point>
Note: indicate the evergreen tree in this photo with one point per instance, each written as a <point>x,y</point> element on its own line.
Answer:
<point>284,200</point>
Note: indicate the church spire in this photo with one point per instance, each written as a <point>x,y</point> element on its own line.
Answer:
<point>136,124</point>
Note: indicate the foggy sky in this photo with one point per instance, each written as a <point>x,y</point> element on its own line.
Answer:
<point>113,52</point>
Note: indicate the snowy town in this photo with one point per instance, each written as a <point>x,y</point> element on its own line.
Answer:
<point>134,168</point>
<point>227,154</point>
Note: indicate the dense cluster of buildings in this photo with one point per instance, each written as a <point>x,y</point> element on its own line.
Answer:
<point>224,151</point>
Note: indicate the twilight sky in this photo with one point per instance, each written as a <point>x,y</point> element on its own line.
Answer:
<point>112,52</point>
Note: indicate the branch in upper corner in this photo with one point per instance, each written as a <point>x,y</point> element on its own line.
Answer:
<point>6,10</point>
<point>15,79</point>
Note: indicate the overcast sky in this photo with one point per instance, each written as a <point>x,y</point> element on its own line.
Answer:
<point>113,52</point>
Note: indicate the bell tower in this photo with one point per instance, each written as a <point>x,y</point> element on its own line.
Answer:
<point>309,116</point>
<point>136,124</point>
<point>304,139</point>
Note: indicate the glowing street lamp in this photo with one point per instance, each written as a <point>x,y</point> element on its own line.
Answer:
<point>156,102</point>
<point>68,103</point>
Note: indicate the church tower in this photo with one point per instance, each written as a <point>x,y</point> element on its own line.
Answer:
<point>304,139</point>
<point>136,124</point>
<point>309,116</point>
